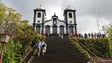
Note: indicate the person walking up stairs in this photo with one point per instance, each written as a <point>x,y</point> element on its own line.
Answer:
<point>60,51</point>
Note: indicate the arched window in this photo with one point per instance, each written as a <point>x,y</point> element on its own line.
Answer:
<point>38,28</point>
<point>70,15</point>
<point>54,29</point>
<point>62,29</point>
<point>71,29</point>
<point>47,31</point>
<point>38,21</point>
<point>39,14</point>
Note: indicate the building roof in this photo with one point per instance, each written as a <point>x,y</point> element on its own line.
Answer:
<point>40,8</point>
<point>69,8</point>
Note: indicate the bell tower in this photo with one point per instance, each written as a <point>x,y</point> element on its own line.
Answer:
<point>70,18</point>
<point>39,16</point>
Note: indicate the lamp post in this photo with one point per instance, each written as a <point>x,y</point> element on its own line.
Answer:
<point>4,37</point>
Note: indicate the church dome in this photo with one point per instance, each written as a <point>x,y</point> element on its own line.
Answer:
<point>69,8</point>
<point>40,8</point>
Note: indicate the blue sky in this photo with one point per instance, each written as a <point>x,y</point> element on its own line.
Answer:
<point>88,12</point>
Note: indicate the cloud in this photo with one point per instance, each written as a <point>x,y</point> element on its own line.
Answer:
<point>96,8</point>
<point>87,11</point>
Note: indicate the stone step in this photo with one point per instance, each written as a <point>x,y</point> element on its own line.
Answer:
<point>60,51</point>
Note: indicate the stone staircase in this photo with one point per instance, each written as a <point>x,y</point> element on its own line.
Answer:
<point>60,51</point>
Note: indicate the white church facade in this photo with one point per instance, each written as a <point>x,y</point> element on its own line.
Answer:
<point>55,25</point>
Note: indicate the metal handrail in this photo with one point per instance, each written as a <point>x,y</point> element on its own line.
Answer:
<point>90,52</point>
<point>26,56</point>
<point>82,48</point>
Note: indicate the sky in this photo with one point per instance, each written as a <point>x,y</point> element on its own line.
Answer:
<point>91,15</point>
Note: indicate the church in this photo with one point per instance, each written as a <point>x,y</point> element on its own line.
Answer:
<point>55,26</point>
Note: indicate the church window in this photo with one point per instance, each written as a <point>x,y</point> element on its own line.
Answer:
<point>71,29</point>
<point>54,21</point>
<point>70,22</point>
<point>62,29</point>
<point>38,21</point>
<point>54,29</point>
<point>47,29</point>
<point>39,14</point>
<point>70,15</point>
<point>38,28</point>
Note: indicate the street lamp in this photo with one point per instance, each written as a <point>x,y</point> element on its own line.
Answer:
<point>4,37</point>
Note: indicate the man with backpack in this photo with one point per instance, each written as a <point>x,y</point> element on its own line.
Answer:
<point>44,48</point>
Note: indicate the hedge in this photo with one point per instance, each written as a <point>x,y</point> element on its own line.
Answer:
<point>81,49</point>
<point>100,47</point>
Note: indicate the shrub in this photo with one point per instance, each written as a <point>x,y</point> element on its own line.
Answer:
<point>99,47</point>
<point>81,49</point>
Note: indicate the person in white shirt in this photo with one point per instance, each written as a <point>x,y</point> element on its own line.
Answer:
<point>44,47</point>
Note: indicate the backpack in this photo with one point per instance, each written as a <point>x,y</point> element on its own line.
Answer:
<point>43,45</point>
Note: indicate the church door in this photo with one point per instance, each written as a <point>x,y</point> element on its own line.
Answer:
<point>47,31</point>
<point>71,30</point>
<point>62,29</point>
<point>54,29</point>
<point>38,28</point>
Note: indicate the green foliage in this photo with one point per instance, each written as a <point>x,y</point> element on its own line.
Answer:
<point>27,37</point>
<point>109,34</point>
<point>99,47</point>
<point>9,20</point>
<point>12,49</point>
<point>81,49</point>
<point>19,45</point>
<point>23,37</point>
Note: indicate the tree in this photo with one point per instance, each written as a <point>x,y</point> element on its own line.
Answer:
<point>109,34</point>
<point>2,15</point>
<point>9,20</point>
<point>22,34</point>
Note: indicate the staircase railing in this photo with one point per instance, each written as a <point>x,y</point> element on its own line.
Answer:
<point>28,55</point>
<point>91,53</point>
<point>82,50</point>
